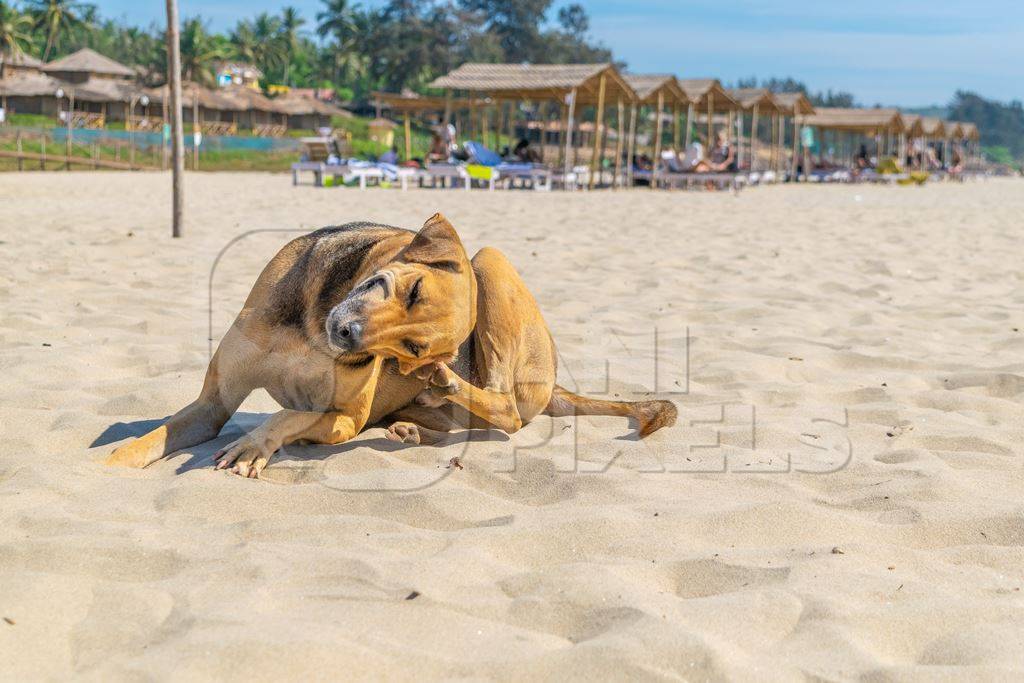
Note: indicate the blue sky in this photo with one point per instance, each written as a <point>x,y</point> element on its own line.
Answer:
<point>905,52</point>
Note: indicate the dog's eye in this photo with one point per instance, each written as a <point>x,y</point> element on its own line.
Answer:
<point>414,348</point>
<point>414,293</point>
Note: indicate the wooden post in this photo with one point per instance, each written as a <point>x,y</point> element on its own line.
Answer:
<point>657,139</point>
<point>197,130</point>
<point>408,136</point>
<point>20,159</point>
<point>512,107</point>
<point>711,132</point>
<point>796,147</point>
<point>689,124</point>
<point>71,127</point>
<point>178,140</point>
<point>447,107</point>
<point>621,115</point>
<point>738,132</point>
<point>595,159</point>
<point>42,155</point>
<point>631,143</point>
<point>567,166</point>
<point>166,113</point>
<point>675,127</point>
<point>95,156</point>
<point>753,140</point>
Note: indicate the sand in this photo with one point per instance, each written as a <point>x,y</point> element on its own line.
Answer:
<point>841,497</point>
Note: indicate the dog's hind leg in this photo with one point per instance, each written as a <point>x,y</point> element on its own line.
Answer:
<point>226,386</point>
<point>650,415</point>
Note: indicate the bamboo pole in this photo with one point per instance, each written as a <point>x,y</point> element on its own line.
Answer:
<point>796,148</point>
<point>408,137</point>
<point>567,165</point>
<point>711,133</point>
<point>631,143</point>
<point>689,124</point>
<point>619,142</point>
<point>595,159</point>
<point>753,139</point>
<point>178,150</point>
<point>657,140</point>
<point>675,127</point>
<point>197,131</point>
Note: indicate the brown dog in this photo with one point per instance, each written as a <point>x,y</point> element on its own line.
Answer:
<point>352,324</point>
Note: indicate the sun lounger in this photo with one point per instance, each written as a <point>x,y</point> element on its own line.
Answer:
<point>535,176</point>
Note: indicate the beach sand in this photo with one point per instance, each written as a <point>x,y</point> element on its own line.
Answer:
<point>840,498</point>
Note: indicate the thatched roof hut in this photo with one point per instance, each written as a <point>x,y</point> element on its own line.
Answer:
<point>749,98</point>
<point>538,81</point>
<point>86,63</point>
<point>969,131</point>
<point>702,91</point>
<point>17,64</point>
<point>866,121</point>
<point>30,85</point>
<point>793,103</point>
<point>649,86</point>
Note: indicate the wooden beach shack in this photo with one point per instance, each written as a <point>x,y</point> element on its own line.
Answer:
<point>757,102</point>
<point>707,97</point>
<point>572,86</point>
<point>653,91</point>
<point>885,126</point>
<point>796,106</point>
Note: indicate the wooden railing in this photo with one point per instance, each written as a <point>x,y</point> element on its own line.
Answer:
<point>145,123</point>
<point>270,130</point>
<point>40,150</point>
<point>218,128</point>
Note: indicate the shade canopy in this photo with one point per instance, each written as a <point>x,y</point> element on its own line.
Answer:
<point>408,101</point>
<point>793,103</point>
<point>538,81</point>
<point>648,86</point>
<point>867,121</point>
<point>969,131</point>
<point>749,98</point>
<point>700,90</point>
<point>303,105</point>
<point>89,61</point>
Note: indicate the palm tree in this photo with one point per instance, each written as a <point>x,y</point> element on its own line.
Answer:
<point>336,21</point>
<point>199,49</point>
<point>291,33</point>
<point>57,18</point>
<point>15,30</point>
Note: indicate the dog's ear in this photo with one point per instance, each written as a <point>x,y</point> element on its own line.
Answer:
<point>437,245</point>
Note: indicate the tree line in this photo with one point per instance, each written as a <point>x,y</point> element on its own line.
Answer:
<point>354,49</point>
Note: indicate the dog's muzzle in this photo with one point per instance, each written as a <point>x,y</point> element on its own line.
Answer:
<point>344,333</point>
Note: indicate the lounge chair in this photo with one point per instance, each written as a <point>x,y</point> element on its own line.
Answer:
<point>320,157</point>
<point>530,175</point>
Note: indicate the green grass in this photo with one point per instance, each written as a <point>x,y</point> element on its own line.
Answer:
<point>218,159</point>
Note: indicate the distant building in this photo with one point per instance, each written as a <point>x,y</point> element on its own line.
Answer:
<point>17,65</point>
<point>237,73</point>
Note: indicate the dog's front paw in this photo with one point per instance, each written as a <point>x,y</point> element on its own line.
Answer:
<point>247,456</point>
<point>444,382</point>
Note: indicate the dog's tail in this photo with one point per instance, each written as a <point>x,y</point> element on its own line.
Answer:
<point>650,415</point>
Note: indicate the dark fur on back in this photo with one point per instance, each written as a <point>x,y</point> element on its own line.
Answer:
<point>328,260</point>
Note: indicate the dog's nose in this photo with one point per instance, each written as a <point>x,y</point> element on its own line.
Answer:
<point>347,335</point>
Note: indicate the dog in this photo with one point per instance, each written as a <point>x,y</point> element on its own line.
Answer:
<point>362,323</point>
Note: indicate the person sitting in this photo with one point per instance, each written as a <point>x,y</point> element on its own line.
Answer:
<point>438,148</point>
<point>524,152</point>
<point>390,156</point>
<point>723,155</point>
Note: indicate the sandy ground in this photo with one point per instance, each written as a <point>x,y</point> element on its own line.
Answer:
<point>841,497</point>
